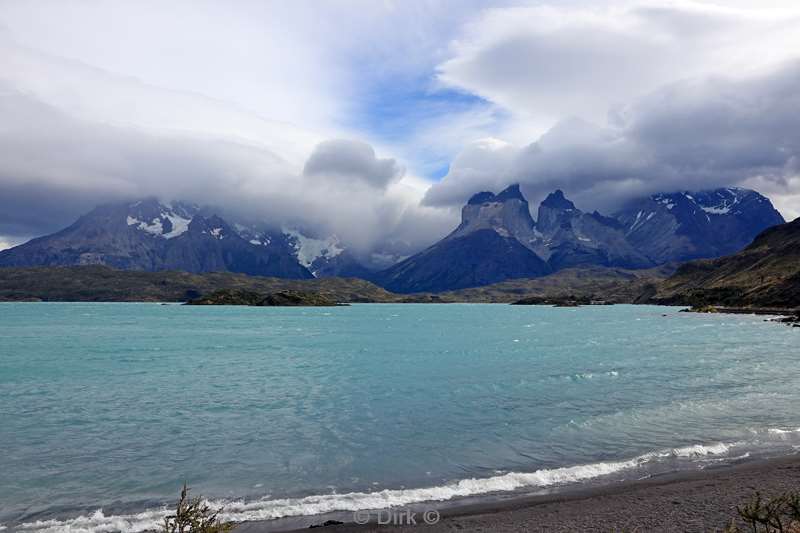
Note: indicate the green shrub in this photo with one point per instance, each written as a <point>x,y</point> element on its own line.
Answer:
<point>193,515</point>
<point>776,515</point>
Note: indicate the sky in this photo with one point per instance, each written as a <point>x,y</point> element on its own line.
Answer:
<point>376,120</point>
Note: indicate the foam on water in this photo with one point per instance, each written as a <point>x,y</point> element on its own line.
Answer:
<point>269,509</point>
<point>779,431</point>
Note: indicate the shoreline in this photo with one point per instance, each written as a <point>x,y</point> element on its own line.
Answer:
<point>691,500</point>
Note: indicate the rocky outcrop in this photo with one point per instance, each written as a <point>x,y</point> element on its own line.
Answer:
<point>276,299</point>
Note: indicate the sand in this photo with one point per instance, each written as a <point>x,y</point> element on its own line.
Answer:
<point>687,501</point>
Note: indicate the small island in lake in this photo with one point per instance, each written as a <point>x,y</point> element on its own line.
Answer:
<point>275,299</point>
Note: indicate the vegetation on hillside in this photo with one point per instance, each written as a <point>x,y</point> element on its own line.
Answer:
<point>765,274</point>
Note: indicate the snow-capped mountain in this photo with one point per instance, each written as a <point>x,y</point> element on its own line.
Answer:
<point>690,225</point>
<point>498,239</point>
<point>149,235</point>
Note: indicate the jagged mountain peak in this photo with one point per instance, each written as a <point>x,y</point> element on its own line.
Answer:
<point>481,198</point>
<point>557,200</point>
<point>511,192</point>
<point>506,214</point>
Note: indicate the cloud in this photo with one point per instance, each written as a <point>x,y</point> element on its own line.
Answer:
<point>544,63</point>
<point>692,134</point>
<point>55,167</point>
<point>345,160</point>
<point>74,136</point>
<point>246,107</point>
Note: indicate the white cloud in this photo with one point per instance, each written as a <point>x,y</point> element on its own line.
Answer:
<point>546,62</point>
<point>75,135</point>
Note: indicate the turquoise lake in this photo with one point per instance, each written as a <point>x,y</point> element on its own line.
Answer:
<point>108,408</point>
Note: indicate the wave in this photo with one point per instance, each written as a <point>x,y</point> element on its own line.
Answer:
<point>268,509</point>
<point>780,431</point>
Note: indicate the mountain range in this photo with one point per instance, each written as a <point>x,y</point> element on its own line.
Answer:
<point>497,240</point>
<point>151,236</point>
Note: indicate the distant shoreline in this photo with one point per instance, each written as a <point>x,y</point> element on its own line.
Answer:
<point>703,500</point>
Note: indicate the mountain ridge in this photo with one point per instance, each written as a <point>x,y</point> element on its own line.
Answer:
<point>766,273</point>
<point>497,239</point>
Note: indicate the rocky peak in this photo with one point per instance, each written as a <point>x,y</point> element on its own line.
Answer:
<point>160,220</point>
<point>511,192</point>
<point>213,226</point>
<point>506,213</point>
<point>481,198</point>
<point>557,200</point>
<point>555,212</point>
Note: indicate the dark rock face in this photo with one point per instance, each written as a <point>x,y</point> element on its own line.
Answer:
<point>568,237</point>
<point>480,258</point>
<point>151,236</point>
<point>494,242</point>
<point>692,225</point>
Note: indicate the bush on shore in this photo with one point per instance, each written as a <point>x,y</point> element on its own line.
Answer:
<point>193,515</point>
<point>774,515</point>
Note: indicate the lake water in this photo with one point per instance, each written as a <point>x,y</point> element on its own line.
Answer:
<point>105,409</point>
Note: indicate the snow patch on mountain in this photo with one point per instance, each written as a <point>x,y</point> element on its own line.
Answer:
<point>308,250</point>
<point>154,228</point>
<point>172,221</point>
<point>180,225</point>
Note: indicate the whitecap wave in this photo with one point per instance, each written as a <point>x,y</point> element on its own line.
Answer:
<point>780,431</point>
<point>700,450</point>
<point>268,509</point>
<point>98,522</point>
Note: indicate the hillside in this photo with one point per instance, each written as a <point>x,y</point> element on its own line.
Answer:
<point>104,284</point>
<point>765,274</point>
<point>614,285</point>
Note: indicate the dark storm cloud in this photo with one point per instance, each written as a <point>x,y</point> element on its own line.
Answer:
<point>347,160</point>
<point>688,135</point>
<point>54,167</point>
